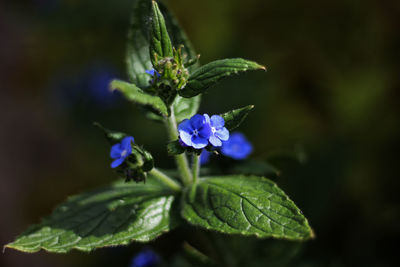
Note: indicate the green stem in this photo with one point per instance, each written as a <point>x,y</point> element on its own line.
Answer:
<point>196,167</point>
<point>165,179</point>
<point>181,160</point>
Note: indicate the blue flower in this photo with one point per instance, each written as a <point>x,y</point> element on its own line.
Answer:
<point>195,132</point>
<point>218,132</point>
<point>121,151</point>
<point>145,258</point>
<point>204,157</point>
<point>153,72</point>
<point>237,147</point>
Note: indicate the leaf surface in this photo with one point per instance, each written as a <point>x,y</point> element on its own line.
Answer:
<point>205,76</point>
<point>246,205</point>
<point>160,43</point>
<point>137,95</point>
<point>111,216</point>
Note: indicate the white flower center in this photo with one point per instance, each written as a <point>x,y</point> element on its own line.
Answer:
<point>195,132</point>
<point>123,153</point>
<point>213,130</point>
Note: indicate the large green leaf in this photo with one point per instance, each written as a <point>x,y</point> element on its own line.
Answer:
<point>160,43</point>
<point>137,54</point>
<point>205,76</point>
<point>247,205</point>
<point>235,117</point>
<point>111,216</point>
<point>135,94</point>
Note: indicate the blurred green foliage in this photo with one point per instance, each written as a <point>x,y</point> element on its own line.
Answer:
<point>332,87</point>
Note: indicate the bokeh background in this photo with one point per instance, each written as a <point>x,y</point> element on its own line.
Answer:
<point>332,88</point>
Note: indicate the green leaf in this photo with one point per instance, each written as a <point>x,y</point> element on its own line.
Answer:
<point>137,53</point>
<point>135,94</point>
<point>111,216</point>
<point>246,205</point>
<point>160,43</point>
<point>112,136</point>
<point>235,117</point>
<point>205,76</point>
<point>185,108</point>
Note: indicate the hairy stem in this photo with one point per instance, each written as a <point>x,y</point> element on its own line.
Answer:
<point>195,167</point>
<point>181,160</point>
<point>165,179</point>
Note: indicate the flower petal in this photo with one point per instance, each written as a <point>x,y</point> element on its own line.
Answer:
<point>117,162</point>
<point>222,134</point>
<point>215,141</point>
<point>205,131</point>
<point>127,142</point>
<point>115,151</point>
<point>217,121</point>
<point>186,138</point>
<point>199,142</point>
<point>207,118</point>
<point>185,126</point>
<point>197,121</point>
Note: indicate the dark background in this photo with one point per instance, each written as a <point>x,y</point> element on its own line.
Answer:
<point>332,87</point>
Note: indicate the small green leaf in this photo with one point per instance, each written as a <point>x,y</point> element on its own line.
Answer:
<point>246,205</point>
<point>175,148</point>
<point>160,43</point>
<point>185,108</point>
<point>112,136</point>
<point>235,117</point>
<point>111,216</point>
<point>205,76</point>
<point>135,94</point>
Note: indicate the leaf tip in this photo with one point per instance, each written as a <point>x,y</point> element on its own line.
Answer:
<point>263,68</point>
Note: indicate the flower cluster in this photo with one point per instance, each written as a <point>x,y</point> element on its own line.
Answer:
<point>201,130</point>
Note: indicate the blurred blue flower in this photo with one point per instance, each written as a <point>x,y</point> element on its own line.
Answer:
<point>218,132</point>
<point>153,72</point>
<point>195,132</point>
<point>119,152</point>
<point>205,157</point>
<point>145,258</point>
<point>237,147</point>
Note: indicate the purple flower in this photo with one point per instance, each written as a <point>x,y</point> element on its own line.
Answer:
<point>195,132</point>
<point>205,157</point>
<point>237,147</point>
<point>218,132</point>
<point>153,72</point>
<point>119,152</point>
<point>145,258</point>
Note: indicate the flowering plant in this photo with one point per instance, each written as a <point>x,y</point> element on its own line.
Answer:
<point>167,80</point>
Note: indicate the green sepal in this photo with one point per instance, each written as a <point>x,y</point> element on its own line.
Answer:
<point>205,76</point>
<point>134,94</point>
<point>111,216</point>
<point>235,117</point>
<point>245,205</point>
<point>112,136</point>
<point>175,148</point>
<point>160,43</point>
